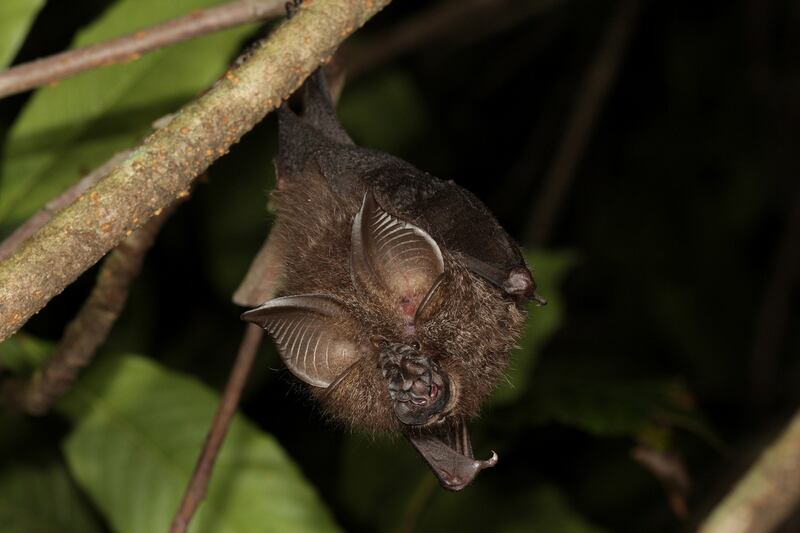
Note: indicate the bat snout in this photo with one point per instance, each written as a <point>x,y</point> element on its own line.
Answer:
<point>417,387</point>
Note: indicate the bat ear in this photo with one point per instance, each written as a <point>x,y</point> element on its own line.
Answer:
<point>308,333</point>
<point>393,255</point>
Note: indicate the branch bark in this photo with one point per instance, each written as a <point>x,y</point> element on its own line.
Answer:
<point>90,327</point>
<point>767,494</point>
<point>59,66</point>
<point>164,166</point>
<point>43,216</point>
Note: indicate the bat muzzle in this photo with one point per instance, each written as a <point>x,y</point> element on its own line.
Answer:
<point>418,388</point>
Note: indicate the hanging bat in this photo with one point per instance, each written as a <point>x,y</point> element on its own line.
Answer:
<point>402,295</point>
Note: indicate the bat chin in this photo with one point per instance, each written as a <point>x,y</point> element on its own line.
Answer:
<point>448,451</point>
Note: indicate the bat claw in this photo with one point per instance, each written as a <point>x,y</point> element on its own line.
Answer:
<point>488,463</point>
<point>540,301</point>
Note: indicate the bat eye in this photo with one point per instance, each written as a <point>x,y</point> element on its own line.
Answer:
<point>415,345</point>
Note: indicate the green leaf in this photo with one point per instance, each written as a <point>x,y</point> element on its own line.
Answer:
<point>67,130</point>
<point>393,98</point>
<point>37,496</point>
<point>23,353</point>
<point>138,432</point>
<point>549,270</point>
<point>605,407</point>
<point>16,17</point>
<point>616,407</point>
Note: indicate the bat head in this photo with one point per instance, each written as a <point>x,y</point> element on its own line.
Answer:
<point>399,267</point>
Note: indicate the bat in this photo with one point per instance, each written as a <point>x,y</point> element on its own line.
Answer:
<point>401,297</point>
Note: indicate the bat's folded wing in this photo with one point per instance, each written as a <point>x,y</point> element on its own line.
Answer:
<point>448,452</point>
<point>309,333</point>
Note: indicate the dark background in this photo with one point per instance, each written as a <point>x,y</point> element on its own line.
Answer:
<point>679,324</point>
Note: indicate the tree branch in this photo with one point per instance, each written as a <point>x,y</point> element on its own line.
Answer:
<point>162,168</point>
<point>768,492</point>
<point>43,216</point>
<point>198,484</point>
<point>596,86</point>
<point>59,66</point>
<point>90,327</point>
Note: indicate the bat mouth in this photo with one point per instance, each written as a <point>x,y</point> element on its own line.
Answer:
<point>447,449</point>
<point>420,391</point>
<point>422,400</point>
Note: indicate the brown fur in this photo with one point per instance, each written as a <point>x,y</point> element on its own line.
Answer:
<point>469,331</point>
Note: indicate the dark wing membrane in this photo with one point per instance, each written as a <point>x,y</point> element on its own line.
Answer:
<point>310,341</point>
<point>392,253</point>
<point>448,452</point>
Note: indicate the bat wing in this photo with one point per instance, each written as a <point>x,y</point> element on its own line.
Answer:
<point>309,337</point>
<point>448,452</point>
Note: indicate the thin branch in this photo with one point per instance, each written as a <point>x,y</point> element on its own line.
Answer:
<point>43,216</point>
<point>164,166</point>
<point>129,47</point>
<point>262,278</point>
<point>596,86</point>
<point>775,309</point>
<point>767,494</point>
<point>198,484</point>
<point>90,327</point>
<point>440,21</point>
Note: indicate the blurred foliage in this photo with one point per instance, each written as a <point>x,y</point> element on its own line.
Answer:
<point>22,353</point>
<point>138,430</point>
<point>68,129</point>
<point>654,277</point>
<point>16,17</point>
<point>38,495</point>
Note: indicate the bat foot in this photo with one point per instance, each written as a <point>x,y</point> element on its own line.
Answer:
<point>292,7</point>
<point>490,462</point>
<point>519,283</point>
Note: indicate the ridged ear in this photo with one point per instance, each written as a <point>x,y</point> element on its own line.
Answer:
<point>393,255</point>
<point>309,336</point>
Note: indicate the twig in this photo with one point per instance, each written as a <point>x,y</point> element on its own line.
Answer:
<point>59,66</point>
<point>436,22</point>
<point>90,327</point>
<point>669,468</point>
<point>41,217</point>
<point>773,315</point>
<point>596,86</point>
<point>262,278</point>
<point>198,484</point>
<point>164,166</point>
<point>417,502</point>
<point>767,494</point>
